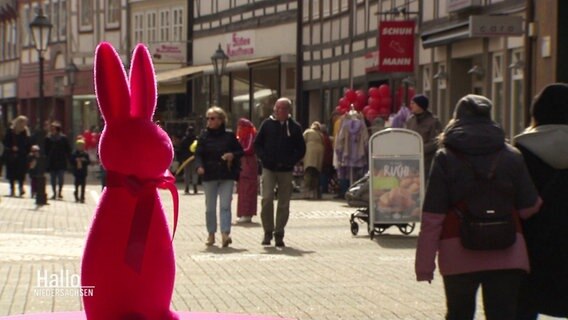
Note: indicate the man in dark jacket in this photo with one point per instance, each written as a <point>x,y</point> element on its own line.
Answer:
<point>57,151</point>
<point>279,145</point>
<point>427,125</point>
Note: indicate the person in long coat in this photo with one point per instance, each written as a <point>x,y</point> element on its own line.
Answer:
<point>16,149</point>
<point>313,160</point>
<point>544,146</point>
<point>247,187</point>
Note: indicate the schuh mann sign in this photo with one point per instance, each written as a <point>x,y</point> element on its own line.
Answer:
<point>396,46</point>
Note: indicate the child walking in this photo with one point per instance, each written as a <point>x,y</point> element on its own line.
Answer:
<point>80,162</point>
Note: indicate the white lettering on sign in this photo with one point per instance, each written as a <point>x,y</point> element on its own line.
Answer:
<point>397,61</point>
<point>396,171</point>
<point>397,31</point>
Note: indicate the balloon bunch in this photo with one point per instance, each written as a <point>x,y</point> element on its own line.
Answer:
<point>374,103</point>
<point>356,98</point>
<point>379,104</point>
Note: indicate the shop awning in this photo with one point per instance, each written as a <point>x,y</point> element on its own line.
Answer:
<point>208,68</point>
<point>178,73</point>
<point>445,35</point>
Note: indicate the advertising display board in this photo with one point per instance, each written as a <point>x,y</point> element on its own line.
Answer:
<point>396,177</point>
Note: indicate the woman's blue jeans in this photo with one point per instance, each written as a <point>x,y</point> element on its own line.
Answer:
<point>222,189</point>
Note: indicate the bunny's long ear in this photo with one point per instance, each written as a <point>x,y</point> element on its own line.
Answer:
<point>142,84</point>
<point>111,86</point>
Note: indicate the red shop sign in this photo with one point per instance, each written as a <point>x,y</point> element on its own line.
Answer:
<point>396,46</point>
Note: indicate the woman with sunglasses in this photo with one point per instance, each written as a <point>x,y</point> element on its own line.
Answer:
<point>217,159</point>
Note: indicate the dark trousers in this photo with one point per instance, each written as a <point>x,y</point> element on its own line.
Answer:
<point>56,177</point>
<point>80,182</point>
<point>500,290</point>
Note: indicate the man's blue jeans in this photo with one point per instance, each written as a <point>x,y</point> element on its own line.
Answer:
<point>222,189</point>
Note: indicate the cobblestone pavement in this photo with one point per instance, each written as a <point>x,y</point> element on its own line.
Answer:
<point>324,272</point>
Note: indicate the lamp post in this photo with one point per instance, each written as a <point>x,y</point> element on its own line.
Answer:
<point>40,29</point>
<point>219,60</point>
<point>71,71</point>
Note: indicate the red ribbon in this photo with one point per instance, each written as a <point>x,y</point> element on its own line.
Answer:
<point>142,190</point>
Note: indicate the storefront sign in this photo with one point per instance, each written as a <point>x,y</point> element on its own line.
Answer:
<point>457,5</point>
<point>168,52</point>
<point>240,44</point>
<point>396,45</point>
<point>495,26</point>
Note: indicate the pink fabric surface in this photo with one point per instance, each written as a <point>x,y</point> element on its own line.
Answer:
<point>183,315</point>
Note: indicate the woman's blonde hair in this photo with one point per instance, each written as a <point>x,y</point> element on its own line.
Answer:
<point>316,126</point>
<point>19,124</point>
<point>219,112</point>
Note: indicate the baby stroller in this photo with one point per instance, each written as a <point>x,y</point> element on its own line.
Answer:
<point>358,196</point>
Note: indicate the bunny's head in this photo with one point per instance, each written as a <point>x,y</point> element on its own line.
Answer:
<point>130,143</point>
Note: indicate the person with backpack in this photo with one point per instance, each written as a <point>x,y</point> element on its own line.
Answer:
<point>544,145</point>
<point>479,189</point>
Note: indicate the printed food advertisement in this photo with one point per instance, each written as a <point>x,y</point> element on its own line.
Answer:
<point>396,190</point>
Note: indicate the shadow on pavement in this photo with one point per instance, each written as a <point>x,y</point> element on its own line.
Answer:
<point>392,241</point>
<point>220,250</point>
<point>288,251</point>
<point>247,225</point>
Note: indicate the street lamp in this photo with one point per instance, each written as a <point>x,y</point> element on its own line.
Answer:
<point>40,28</point>
<point>71,71</point>
<point>219,60</point>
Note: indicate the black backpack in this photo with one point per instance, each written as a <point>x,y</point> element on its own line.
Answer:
<point>486,212</point>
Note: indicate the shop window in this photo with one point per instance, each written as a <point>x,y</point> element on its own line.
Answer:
<point>444,110</point>
<point>517,93</point>
<point>112,13</point>
<point>86,15</point>
<point>497,92</point>
<point>265,81</point>
<point>241,105</point>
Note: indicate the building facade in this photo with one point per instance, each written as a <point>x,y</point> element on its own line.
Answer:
<point>340,50</point>
<point>310,51</point>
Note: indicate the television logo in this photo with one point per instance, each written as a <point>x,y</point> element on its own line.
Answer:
<point>62,284</point>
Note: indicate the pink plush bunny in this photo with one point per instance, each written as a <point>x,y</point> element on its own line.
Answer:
<point>129,257</point>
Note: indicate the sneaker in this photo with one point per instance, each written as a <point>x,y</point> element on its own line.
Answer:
<point>244,220</point>
<point>267,239</point>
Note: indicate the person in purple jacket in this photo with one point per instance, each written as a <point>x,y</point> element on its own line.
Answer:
<point>473,135</point>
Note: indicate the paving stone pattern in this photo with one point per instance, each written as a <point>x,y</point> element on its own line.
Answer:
<point>323,273</point>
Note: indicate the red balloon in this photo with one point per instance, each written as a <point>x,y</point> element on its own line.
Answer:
<point>344,103</point>
<point>340,110</point>
<point>361,98</point>
<point>385,104</point>
<point>371,115</point>
<point>384,90</point>
<point>374,102</point>
<point>350,95</point>
<point>374,92</point>
<point>366,109</point>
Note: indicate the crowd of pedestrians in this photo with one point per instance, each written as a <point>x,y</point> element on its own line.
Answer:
<point>39,155</point>
<point>526,278</point>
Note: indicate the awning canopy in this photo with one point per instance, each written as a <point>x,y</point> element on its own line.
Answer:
<point>198,70</point>
<point>178,73</point>
<point>445,35</point>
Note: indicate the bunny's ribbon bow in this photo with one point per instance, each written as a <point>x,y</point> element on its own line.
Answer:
<point>142,190</point>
